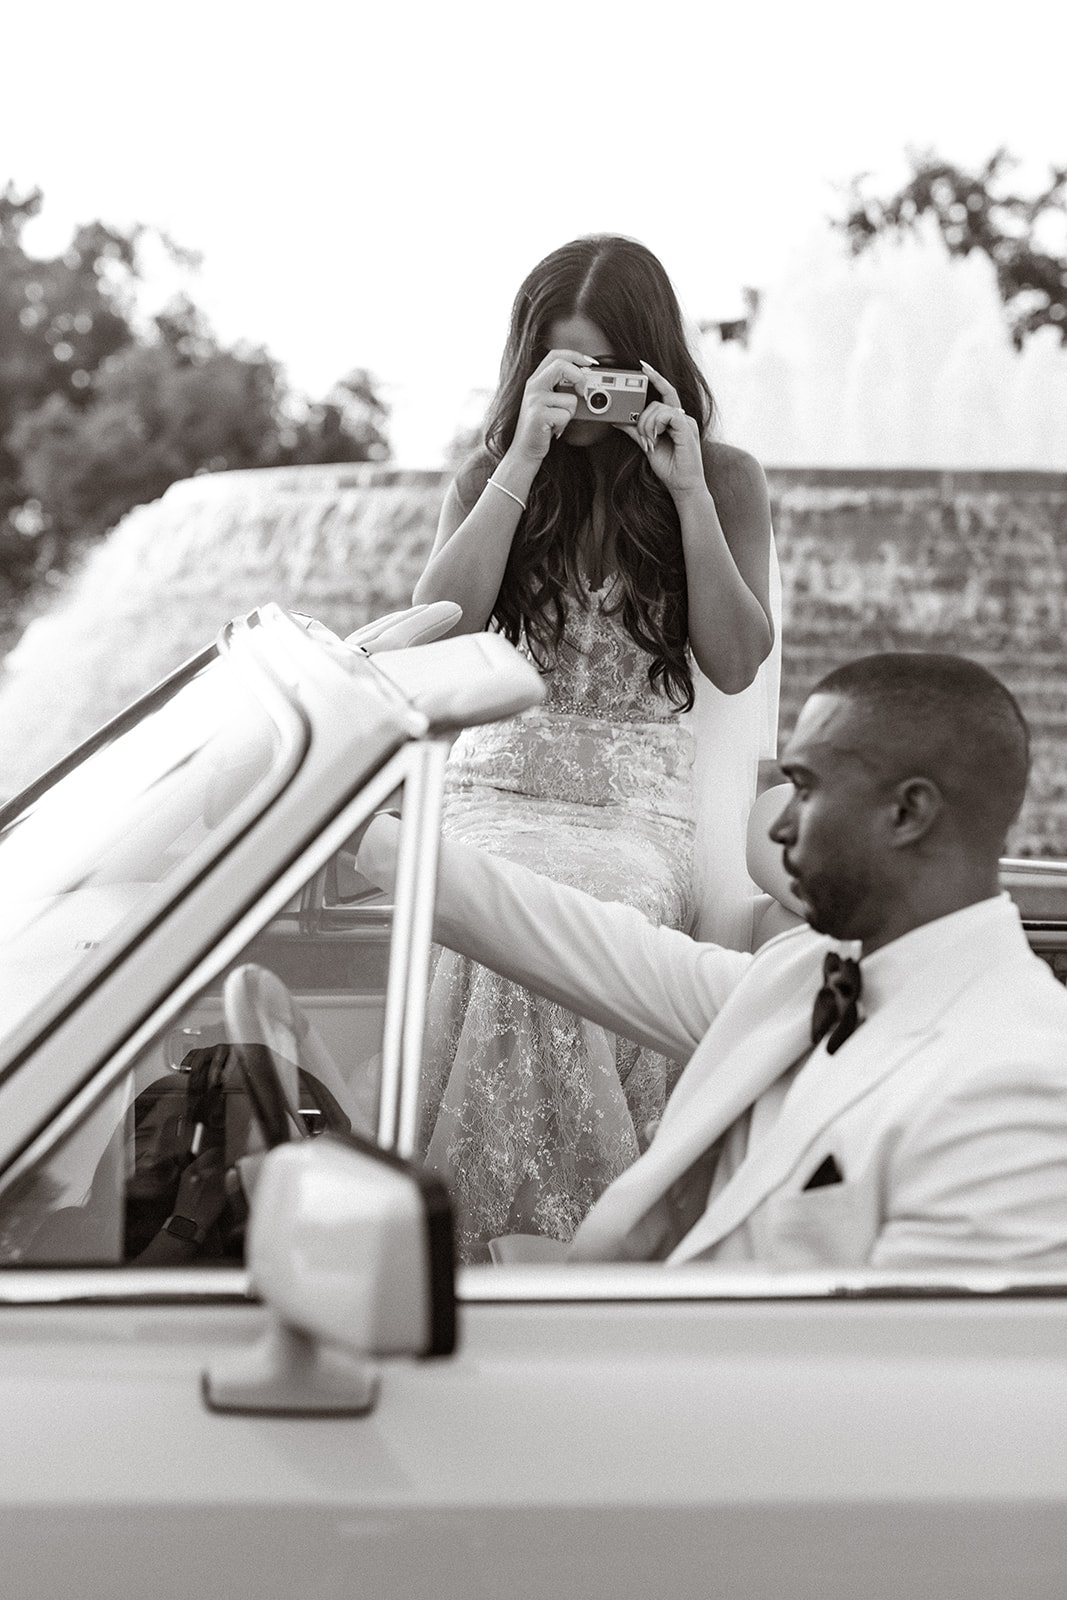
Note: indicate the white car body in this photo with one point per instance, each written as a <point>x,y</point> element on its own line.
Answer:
<point>599,1430</point>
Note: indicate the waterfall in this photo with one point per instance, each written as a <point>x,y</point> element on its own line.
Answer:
<point>871,560</point>
<point>343,544</point>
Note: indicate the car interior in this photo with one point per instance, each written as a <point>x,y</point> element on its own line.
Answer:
<point>284,1044</point>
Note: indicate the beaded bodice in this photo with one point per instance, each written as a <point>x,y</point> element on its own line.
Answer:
<point>602,737</point>
<point>601,671</point>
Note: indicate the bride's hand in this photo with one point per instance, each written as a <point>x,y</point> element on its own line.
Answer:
<point>546,410</point>
<point>670,438</point>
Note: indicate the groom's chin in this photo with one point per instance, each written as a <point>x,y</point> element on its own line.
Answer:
<point>820,918</point>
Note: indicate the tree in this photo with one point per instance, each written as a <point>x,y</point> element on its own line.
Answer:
<point>154,418</point>
<point>349,425</point>
<point>102,409</point>
<point>469,434</point>
<point>1024,236</point>
<point>60,320</point>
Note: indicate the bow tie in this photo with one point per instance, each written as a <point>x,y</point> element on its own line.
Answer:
<point>836,1012</point>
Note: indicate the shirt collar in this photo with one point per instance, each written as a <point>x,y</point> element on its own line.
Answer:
<point>915,954</point>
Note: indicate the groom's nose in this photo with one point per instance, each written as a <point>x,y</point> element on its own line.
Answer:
<point>783,829</point>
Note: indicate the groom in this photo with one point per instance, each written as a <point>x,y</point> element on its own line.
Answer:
<point>917,1116</point>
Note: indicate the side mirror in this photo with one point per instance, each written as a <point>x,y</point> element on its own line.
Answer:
<point>352,1250</point>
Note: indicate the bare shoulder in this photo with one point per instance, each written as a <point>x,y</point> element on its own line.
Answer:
<point>739,489</point>
<point>735,478</point>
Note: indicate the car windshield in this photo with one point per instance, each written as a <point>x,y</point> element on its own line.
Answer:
<point>84,858</point>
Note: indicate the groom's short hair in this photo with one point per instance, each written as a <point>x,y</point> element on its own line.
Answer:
<point>949,719</point>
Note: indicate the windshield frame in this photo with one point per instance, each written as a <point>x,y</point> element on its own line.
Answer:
<point>416,764</point>
<point>293,731</point>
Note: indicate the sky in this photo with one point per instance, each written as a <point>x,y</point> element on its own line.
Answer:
<point>367,186</point>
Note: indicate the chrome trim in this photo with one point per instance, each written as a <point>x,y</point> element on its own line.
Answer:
<point>400,959</point>
<point>648,1283</point>
<point>271,901</point>
<point>427,820</point>
<point>1040,866</point>
<point>354,919</point>
<point>54,1286</point>
<point>614,1283</point>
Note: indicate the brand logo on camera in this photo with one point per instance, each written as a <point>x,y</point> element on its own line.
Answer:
<point>612,394</point>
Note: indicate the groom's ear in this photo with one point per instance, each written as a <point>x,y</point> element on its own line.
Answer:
<point>914,807</point>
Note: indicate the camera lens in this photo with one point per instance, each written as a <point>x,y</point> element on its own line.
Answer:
<point>597,400</point>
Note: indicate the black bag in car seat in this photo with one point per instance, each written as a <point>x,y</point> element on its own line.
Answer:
<point>174,1120</point>
<point>220,1094</point>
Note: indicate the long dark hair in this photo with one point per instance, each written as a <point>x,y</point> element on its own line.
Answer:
<point>620,286</point>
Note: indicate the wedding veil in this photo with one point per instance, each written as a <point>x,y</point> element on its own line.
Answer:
<point>732,734</point>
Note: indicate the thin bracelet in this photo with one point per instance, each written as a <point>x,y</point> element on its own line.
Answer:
<point>508,492</point>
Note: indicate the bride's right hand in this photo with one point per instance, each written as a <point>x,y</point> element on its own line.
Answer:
<point>546,410</point>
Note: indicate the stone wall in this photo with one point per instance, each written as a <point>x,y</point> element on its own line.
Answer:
<point>973,563</point>
<point>969,562</point>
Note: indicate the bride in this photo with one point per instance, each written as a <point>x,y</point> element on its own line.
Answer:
<point>632,560</point>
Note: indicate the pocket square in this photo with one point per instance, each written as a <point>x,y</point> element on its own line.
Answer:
<point>825,1173</point>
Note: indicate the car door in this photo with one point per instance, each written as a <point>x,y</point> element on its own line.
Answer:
<point>108,1318</point>
<point>617,1434</point>
<point>603,1431</point>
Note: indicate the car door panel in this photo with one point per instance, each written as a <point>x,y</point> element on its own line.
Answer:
<point>801,1450</point>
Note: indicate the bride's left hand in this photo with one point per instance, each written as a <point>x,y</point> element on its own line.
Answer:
<point>669,437</point>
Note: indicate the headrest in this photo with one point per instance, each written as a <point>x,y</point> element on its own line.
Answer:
<point>400,630</point>
<point>763,856</point>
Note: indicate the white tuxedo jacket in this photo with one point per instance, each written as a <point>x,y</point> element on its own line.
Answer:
<point>945,1112</point>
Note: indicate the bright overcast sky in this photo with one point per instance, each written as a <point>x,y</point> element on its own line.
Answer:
<point>369,185</point>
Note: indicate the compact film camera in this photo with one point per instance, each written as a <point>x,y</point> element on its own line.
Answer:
<point>612,394</point>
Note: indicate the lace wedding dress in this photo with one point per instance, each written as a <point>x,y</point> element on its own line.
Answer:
<point>526,1110</point>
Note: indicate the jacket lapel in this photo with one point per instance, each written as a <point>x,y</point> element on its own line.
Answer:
<point>752,1042</point>
<point>864,1061</point>
<point>884,1043</point>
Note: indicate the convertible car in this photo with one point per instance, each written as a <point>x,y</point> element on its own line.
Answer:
<point>238,1358</point>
